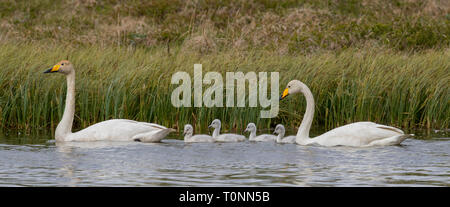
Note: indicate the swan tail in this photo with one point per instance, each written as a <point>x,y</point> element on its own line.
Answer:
<point>396,140</point>
<point>403,137</point>
<point>390,128</point>
<point>153,136</point>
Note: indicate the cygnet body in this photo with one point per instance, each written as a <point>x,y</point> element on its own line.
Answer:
<point>190,137</point>
<point>251,127</point>
<point>216,124</point>
<point>279,129</point>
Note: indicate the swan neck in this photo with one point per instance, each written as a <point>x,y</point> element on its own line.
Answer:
<point>187,136</point>
<point>305,126</point>
<point>216,132</point>
<point>252,135</point>
<point>65,125</point>
<point>280,136</point>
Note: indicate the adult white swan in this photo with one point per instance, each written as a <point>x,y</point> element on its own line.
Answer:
<point>110,130</point>
<point>251,127</point>
<point>359,134</point>
<point>279,129</point>
<point>189,137</point>
<point>216,124</point>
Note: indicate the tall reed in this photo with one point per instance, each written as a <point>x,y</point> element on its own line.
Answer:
<point>403,90</point>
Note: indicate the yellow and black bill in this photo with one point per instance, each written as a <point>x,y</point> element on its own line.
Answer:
<point>54,69</point>
<point>285,93</point>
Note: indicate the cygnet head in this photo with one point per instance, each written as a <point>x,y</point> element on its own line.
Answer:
<point>215,124</point>
<point>188,130</point>
<point>63,66</point>
<point>293,87</point>
<point>251,127</point>
<point>279,129</point>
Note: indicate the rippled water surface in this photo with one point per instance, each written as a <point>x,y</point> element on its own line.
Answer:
<point>39,161</point>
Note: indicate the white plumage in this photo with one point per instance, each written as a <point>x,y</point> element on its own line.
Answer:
<point>359,134</point>
<point>279,129</point>
<point>251,127</point>
<point>189,137</point>
<point>110,130</point>
<point>216,124</point>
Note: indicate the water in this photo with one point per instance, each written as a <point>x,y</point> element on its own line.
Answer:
<point>39,161</point>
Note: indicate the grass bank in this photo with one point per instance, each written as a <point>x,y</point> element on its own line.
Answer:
<point>407,90</point>
<point>285,26</point>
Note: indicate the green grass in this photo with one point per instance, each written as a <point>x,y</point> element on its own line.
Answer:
<point>403,90</point>
<point>383,61</point>
<point>288,26</point>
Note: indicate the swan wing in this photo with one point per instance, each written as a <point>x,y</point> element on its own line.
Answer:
<point>119,130</point>
<point>288,140</point>
<point>140,123</point>
<point>395,140</point>
<point>230,138</point>
<point>265,138</point>
<point>357,134</point>
<point>200,138</point>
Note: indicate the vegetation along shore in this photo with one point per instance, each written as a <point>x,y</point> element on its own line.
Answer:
<point>381,61</point>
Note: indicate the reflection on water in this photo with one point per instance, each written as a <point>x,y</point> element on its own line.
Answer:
<point>40,161</point>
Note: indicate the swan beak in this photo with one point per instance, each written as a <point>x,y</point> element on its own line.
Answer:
<point>285,93</point>
<point>53,69</point>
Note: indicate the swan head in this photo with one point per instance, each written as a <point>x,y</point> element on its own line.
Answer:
<point>188,130</point>
<point>279,129</point>
<point>215,124</point>
<point>63,66</point>
<point>251,127</point>
<point>293,87</point>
